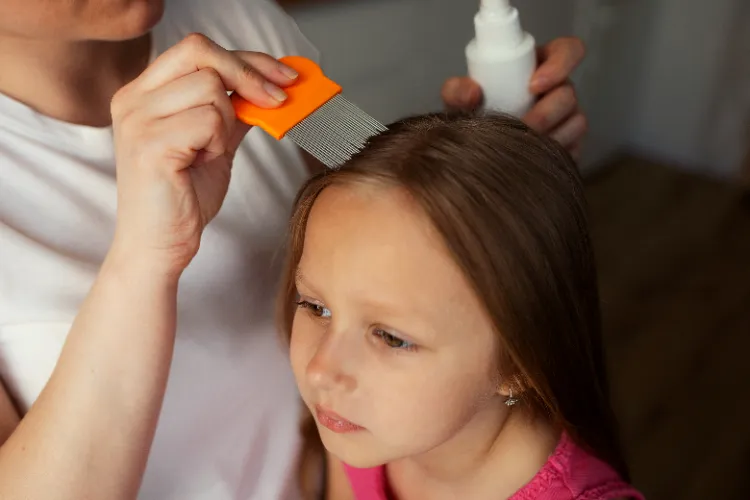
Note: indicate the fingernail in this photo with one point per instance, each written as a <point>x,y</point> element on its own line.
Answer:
<point>288,72</point>
<point>275,91</point>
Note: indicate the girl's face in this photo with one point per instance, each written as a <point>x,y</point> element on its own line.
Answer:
<point>392,351</point>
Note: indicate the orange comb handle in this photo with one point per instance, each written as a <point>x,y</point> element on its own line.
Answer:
<point>310,91</point>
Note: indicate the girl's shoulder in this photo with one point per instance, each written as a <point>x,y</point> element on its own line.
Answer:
<point>572,473</point>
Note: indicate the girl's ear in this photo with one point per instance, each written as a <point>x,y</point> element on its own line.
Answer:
<point>511,390</point>
<point>510,385</point>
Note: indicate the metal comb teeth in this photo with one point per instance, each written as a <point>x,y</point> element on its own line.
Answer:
<point>335,132</point>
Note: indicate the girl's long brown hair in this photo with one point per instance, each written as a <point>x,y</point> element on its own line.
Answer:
<point>510,207</point>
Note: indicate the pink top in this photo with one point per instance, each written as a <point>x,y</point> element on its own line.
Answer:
<point>569,474</point>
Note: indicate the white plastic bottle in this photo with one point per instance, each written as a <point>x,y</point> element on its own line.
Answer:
<point>502,58</point>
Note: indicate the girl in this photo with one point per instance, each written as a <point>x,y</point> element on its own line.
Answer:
<point>442,306</point>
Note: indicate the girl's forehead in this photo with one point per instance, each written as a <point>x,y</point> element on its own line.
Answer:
<point>377,232</point>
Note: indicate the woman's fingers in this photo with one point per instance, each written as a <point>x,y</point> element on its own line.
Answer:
<point>200,129</point>
<point>269,68</point>
<point>202,88</point>
<point>571,132</point>
<point>256,77</point>
<point>552,109</point>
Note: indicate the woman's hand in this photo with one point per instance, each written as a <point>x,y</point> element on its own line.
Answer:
<point>556,112</point>
<point>175,136</point>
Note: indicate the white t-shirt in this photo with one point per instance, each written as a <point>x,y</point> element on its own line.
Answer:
<point>228,428</point>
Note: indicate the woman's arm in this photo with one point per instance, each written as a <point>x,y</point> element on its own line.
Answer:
<point>89,433</point>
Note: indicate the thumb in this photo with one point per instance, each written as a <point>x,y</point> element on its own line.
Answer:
<point>461,93</point>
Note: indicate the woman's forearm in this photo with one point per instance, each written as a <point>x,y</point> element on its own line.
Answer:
<point>89,433</point>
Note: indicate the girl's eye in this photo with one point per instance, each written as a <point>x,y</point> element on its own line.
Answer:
<point>315,309</point>
<point>392,341</point>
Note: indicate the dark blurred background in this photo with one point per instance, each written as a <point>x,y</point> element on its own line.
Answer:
<point>666,86</point>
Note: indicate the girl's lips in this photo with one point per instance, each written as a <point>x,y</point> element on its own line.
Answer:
<point>335,422</point>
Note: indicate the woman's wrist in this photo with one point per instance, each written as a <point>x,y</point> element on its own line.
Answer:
<point>130,265</point>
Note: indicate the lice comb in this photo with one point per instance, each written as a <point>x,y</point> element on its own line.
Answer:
<point>315,116</point>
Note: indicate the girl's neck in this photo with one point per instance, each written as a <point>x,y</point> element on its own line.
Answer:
<point>70,81</point>
<point>491,457</point>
